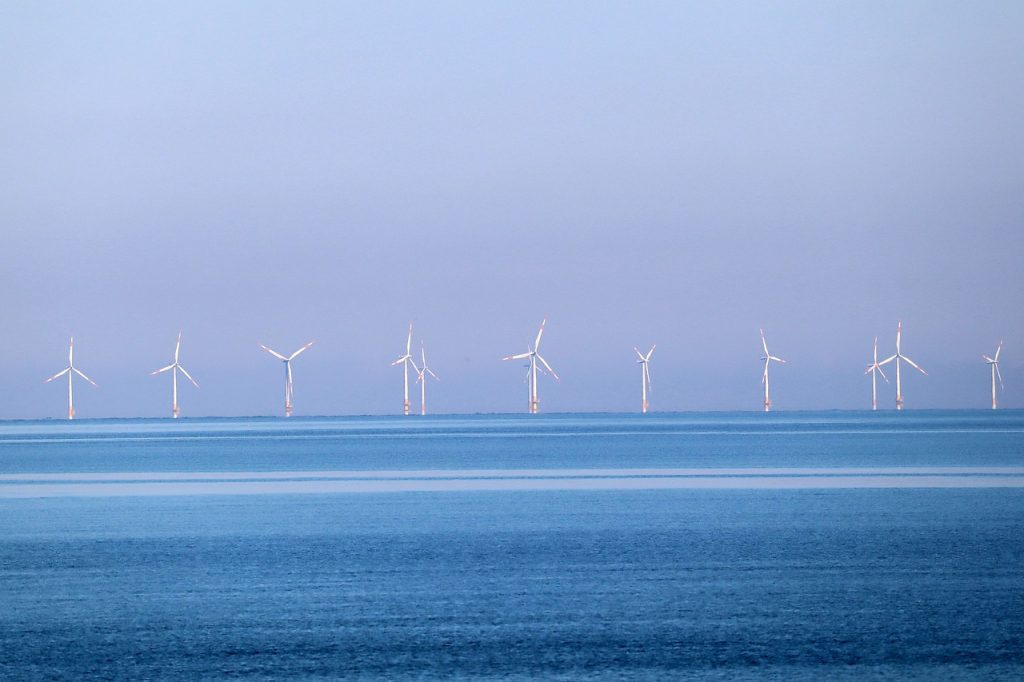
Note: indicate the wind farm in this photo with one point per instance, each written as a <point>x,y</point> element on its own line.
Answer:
<point>174,368</point>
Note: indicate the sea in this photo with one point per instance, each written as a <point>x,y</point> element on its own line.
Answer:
<point>717,546</point>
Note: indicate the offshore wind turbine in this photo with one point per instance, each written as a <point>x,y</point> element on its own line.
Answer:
<point>422,371</point>
<point>897,357</point>
<point>993,362</point>
<point>405,361</point>
<point>874,368</point>
<point>174,368</point>
<point>70,370</point>
<point>645,375</point>
<point>768,357</point>
<point>288,384</point>
<point>531,374</point>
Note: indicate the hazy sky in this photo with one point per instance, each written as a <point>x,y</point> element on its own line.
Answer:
<point>673,173</point>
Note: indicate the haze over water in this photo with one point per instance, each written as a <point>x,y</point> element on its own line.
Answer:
<point>722,546</point>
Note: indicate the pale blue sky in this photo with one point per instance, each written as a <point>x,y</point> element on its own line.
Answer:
<point>671,173</point>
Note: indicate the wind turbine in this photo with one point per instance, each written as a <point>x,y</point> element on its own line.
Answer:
<point>422,371</point>
<point>897,357</point>
<point>173,368</point>
<point>405,361</point>
<point>874,368</point>
<point>994,364</point>
<point>288,385</point>
<point>531,375</point>
<point>645,375</point>
<point>768,357</point>
<point>70,370</point>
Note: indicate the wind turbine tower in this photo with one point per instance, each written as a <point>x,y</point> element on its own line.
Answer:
<point>174,368</point>
<point>874,368</point>
<point>288,384</point>
<point>70,370</point>
<point>645,375</point>
<point>897,357</point>
<point>422,371</point>
<point>993,362</point>
<point>531,375</point>
<point>405,361</point>
<point>768,357</point>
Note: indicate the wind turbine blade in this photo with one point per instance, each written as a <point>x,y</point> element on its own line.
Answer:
<point>413,363</point>
<point>291,385</point>
<point>899,333</point>
<point>870,369</point>
<point>185,372</point>
<point>639,354</point>
<point>536,344</point>
<point>58,375</point>
<point>913,364</point>
<point>399,360</point>
<point>408,341</point>
<point>988,359</point>
<point>882,372</point>
<point>79,373</point>
<point>516,357</point>
<point>772,357</point>
<point>545,363</point>
<point>996,365</point>
<point>431,373</point>
<point>177,348</point>
<point>162,369</point>
<point>764,343</point>
<point>273,352</point>
<point>301,350</point>
<point>999,350</point>
<point>71,353</point>
<point>423,355</point>
<point>887,360</point>
<point>650,352</point>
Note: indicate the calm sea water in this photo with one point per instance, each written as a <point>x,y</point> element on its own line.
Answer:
<point>727,546</point>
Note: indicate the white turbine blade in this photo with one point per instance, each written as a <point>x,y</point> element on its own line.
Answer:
<point>899,333</point>
<point>913,364</point>
<point>764,343</point>
<point>988,359</point>
<point>291,385</point>
<point>545,363</point>
<point>161,370</point>
<point>185,372</point>
<point>996,365</point>
<point>540,332</point>
<point>887,360</point>
<point>79,373</point>
<point>400,360</point>
<point>998,350</point>
<point>431,373</point>
<point>882,372</point>
<point>772,357</point>
<point>423,355</point>
<point>273,352</point>
<point>639,354</point>
<point>58,375</point>
<point>177,348</point>
<point>516,357</point>
<point>650,352</point>
<point>301,350</point>
<point>870,369</point>
<point>413,363</point>
<point>71,353</point>
<point>408,341</point>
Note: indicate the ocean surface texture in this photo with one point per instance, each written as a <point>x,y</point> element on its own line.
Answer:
<point>790,546</point>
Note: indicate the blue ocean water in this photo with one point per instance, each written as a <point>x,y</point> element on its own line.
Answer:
<point>711,546</point>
